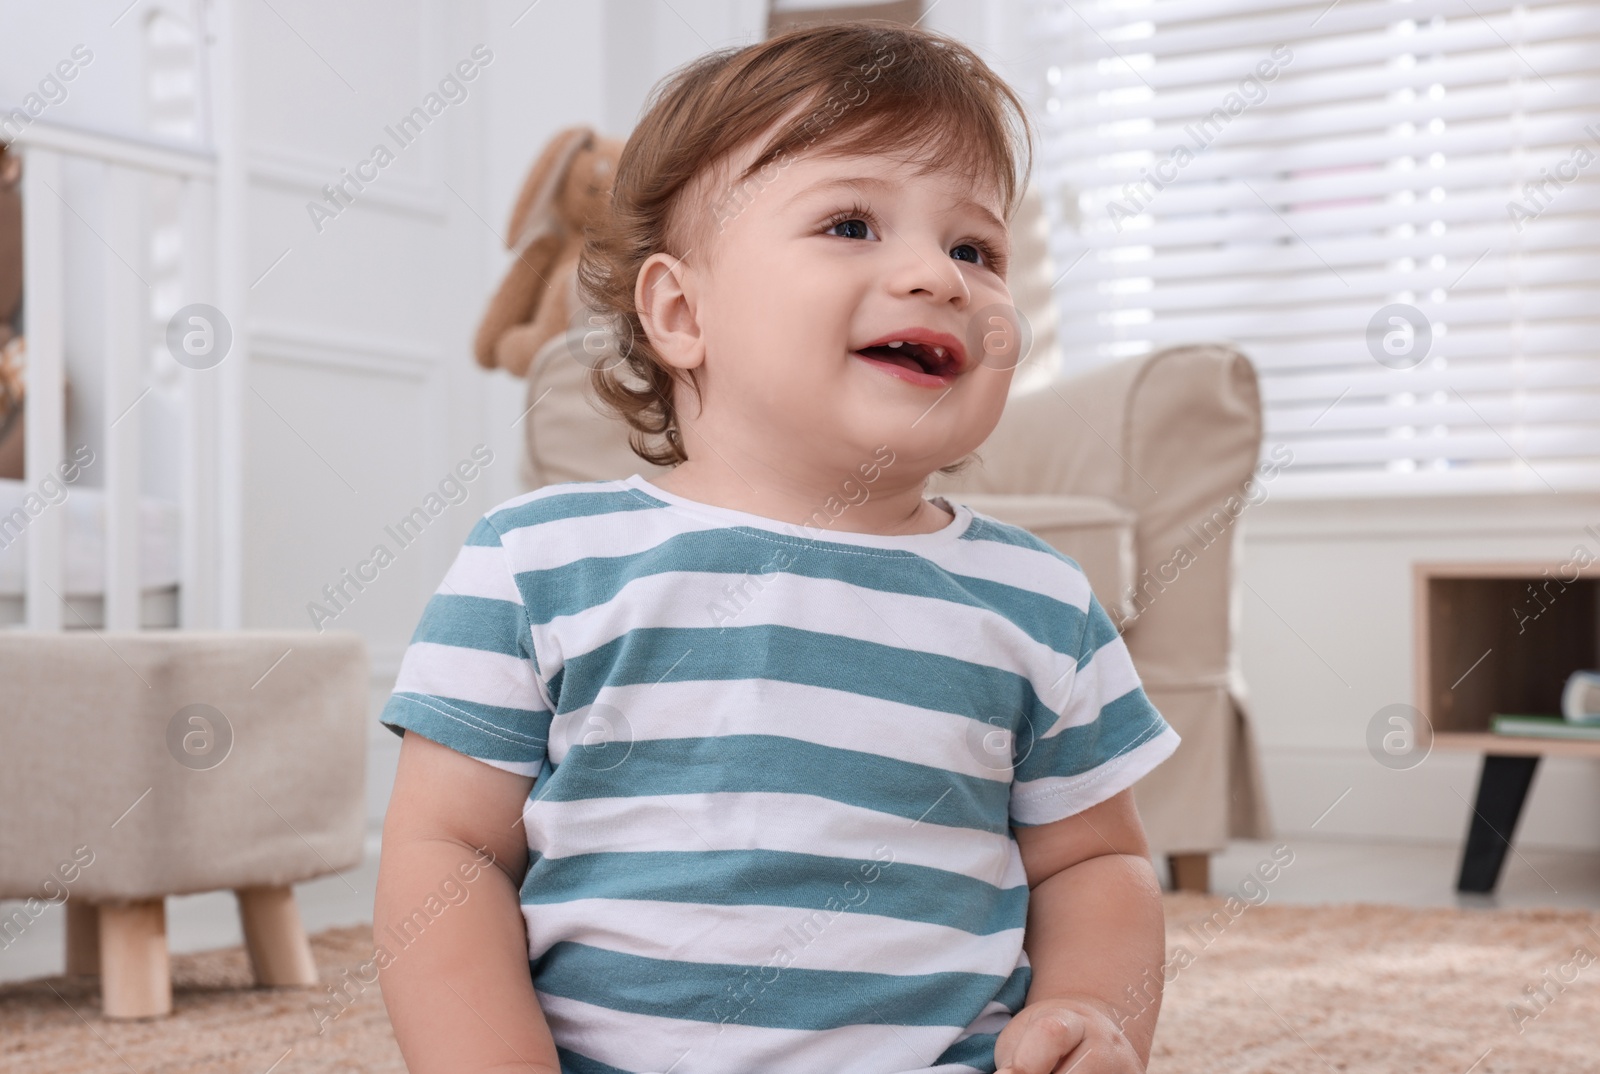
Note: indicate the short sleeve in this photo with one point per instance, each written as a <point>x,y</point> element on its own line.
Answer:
<point>1107,736</point>
<point>469,679</point>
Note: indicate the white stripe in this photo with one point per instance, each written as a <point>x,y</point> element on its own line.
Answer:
<point>797,823</point>
<point>692,599</point>
<point>847,936</point>
<point>481,571</point>
<point>652,1044</point>
<point>994,1018</point>
<point>1035,570</point>
<point>454,671</point>
<point>708,708</point>
<point>1041,801</point>
<point>1107,676</point>
<point>520,768</point>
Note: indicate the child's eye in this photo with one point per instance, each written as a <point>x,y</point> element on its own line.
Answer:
<point>859,223</point>
<point>854,215</point>
<point>978,248</point>
<point>991,256</point>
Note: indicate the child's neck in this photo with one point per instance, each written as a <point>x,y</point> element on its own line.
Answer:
<point>887,512</point>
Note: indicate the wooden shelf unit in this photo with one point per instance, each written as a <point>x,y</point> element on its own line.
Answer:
<point>1501,637</point>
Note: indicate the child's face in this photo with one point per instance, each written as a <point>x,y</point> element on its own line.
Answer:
<point>796,286</point>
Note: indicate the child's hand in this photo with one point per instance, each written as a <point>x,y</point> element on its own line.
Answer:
<point>1053,1036</point>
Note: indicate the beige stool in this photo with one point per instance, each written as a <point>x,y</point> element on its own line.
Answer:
<point>158,763</point>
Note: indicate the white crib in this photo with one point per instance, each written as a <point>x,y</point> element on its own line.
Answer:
<point>112,557</point>
<point>109,557</point>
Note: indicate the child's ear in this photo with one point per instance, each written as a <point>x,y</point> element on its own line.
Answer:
<point>665,297</point>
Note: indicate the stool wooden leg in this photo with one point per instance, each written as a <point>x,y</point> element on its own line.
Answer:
<point>83,939</point>
<point>1190,872</point>
<point>135,974</point>
<point>279,951</point>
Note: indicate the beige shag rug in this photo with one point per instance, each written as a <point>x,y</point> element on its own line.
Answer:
<point>1267,989</point>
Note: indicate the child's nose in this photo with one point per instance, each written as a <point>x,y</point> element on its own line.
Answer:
<point>923,269</point>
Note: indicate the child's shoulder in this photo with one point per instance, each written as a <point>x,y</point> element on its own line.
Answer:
<point>1004,552</point>
<point>992,537</point>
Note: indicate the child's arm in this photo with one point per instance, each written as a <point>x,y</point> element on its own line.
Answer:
<point>1095,928</point>
<point>459,995</point>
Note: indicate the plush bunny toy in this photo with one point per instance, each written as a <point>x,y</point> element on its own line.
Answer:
<point>568,188</point>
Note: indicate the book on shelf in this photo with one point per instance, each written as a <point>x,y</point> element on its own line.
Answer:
<point>1530,726</point>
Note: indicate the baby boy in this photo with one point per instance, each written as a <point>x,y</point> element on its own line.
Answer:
<point>783,768</point>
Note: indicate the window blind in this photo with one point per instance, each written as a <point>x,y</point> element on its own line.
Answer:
<point>1390,206</point>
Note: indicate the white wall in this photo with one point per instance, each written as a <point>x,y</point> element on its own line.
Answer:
<point>103,93</point>
<point>359,393</point>
<point>1326,641</point>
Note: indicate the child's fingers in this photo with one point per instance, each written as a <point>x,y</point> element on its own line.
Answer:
<point>1045,1041</point>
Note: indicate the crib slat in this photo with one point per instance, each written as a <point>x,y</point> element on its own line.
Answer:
<point>197,589</point>
<point>123,345</point>
<point>44,409</point>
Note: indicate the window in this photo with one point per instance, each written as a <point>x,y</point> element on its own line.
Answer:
<point>1391,207</point>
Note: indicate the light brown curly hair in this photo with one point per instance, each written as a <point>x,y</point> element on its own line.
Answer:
<point>861,87</point>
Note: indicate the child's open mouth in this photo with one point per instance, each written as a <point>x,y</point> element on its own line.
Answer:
<point>916,361</point>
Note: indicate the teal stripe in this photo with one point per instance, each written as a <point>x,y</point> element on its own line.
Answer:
<point>577,1063</point>
<point>776,997</point>
<point>976,1051</point>
<point>483,623</point>
<point>741,553</point>
<point>805,882</point>
<point>935,681</point>
<point>483,534</point>
<point>986,529</point>
<point>1015,992</point>
<point>1050,622</point>
<point>585,500</point>
<point>1123,723</point>
<point>1098,631</point>
<point>477,730</point>
<point>775,764</point>
<point>736,552</point>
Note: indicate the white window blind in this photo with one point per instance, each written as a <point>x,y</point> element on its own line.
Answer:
<point>1391,207</point>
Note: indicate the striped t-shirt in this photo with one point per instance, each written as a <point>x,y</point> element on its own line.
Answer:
<point>777,769</point>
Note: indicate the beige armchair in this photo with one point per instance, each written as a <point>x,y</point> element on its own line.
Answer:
<point>1118,468</point>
